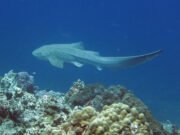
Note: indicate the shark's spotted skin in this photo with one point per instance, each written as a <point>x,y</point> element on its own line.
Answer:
<point>74,53</point>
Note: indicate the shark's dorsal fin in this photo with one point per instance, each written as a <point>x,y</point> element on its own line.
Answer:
<point>56,62</point>
<point>78,45</point>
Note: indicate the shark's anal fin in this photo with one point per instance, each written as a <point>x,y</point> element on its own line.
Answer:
<point>56,62</point>
<point>99,68</point>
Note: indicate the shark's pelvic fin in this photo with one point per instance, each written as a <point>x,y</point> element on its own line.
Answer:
<point>56,62</point>
<point>77,64</point>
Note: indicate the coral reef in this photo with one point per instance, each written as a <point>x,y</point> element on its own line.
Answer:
<point>114,119</point>
<point>97,96</point>
<point>16,82</point>
<point>27,111</point>
<point>83,110</point>
<point>171,128</point>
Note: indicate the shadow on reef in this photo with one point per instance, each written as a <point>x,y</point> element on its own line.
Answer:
<point>83,110</point>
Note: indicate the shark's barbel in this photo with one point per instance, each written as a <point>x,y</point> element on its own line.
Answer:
<point>74,53</point>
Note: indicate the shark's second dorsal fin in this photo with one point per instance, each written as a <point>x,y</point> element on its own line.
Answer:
<point>78,45</point>
<point>93,53</point>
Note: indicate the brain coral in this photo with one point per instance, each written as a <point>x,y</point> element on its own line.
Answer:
<point>116,119</point>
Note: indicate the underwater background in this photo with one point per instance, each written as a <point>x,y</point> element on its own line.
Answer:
<point>113,28</point>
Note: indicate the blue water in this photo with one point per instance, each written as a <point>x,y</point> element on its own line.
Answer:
<point>113,28</point>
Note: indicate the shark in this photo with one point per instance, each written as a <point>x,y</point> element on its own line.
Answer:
<point>76,54</point>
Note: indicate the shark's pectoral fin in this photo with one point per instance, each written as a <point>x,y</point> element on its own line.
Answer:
<point>56,62</point>
<point>77,64</point>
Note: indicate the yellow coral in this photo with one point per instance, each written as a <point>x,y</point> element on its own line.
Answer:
<point>115,119</point>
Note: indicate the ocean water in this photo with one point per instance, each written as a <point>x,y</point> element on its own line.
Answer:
<point>113,28</point>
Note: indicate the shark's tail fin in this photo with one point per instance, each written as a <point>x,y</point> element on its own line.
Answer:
<point>129,61</point>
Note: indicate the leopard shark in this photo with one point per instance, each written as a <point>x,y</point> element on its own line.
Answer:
<point>75,53</point>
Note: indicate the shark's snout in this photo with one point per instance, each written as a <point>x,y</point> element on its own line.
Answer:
<point>34,53</point>
<point>37,53</point>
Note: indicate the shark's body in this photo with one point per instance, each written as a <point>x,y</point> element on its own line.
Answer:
<point>74,53</point>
